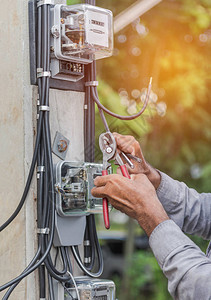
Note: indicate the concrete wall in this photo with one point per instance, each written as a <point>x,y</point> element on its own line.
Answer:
<point>17,133</point>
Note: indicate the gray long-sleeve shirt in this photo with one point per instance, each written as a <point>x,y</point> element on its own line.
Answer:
<point>187,268</point>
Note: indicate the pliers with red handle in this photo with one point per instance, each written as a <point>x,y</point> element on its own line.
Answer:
<point>108,147</point>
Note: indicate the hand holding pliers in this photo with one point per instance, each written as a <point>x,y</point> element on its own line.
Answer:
<point>108,147</point>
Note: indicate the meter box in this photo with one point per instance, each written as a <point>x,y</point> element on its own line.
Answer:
<point>89,289</point>
<point>81,33</point>
<point>74,181</point>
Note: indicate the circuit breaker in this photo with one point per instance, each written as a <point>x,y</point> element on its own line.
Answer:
<point>74,181</point>
<point>88,288</point>
<point>79,34</point>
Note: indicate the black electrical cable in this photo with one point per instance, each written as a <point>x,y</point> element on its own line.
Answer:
<point>10,290</point>
<point>51,290</point>
<point>95,96</point>
<point>56,256</point>
<point>68,260</point>
<point>48,159</point>
<point>42,259</point>
<point>99,254</point>
<point>42,63</point>
<point>92,241</point>
<point>29,179</point>
<point>87,254</point>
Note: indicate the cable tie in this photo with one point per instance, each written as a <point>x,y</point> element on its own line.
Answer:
<point>38,102</point>
<point>40,169</point>
<point>87,260</point>
<point>38,176</point>
<point>44,74</point>
<point>44,108</point>
<point>91,83</point>
<point>38,116</point>
<point>85,106</point>
<point>87,243</point>
<point>42,298</point>
<point>45,2</point>
<point>43,230</point>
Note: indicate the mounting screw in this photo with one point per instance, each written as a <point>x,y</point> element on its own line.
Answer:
<point>62,146</point>
<point>55,31</point>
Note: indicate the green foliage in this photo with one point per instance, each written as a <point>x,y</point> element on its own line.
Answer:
<point>111,100</point>
<point>174,47</point>
<point>178,59</point>
<point>198,13</point>
<point>72,2</point>
<point>146,278</point>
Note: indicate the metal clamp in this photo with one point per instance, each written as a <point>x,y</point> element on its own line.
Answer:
<point>43,230</point>
<point>44,74</point>
<point>45,2</point>
<point>91,83</point>
<point>87,260</point>
<point>40,169</point>
<point>44,108</point>
<point>87,243</point>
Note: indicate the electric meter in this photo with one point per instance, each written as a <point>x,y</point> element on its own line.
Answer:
<point>80,31</point>
<point>74,181</point>
<point>91,289</point>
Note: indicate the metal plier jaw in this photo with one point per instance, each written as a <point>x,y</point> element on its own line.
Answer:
<point>108,147</point>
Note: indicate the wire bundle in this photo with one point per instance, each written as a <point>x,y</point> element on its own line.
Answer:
<point>45,191</point>
<point>42,157</point>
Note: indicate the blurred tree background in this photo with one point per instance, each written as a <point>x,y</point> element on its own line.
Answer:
<point>171,43</point>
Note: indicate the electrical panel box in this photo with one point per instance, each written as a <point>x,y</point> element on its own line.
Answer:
<point>81,30</point>
<point>88,288</point>
<point>74,181</point>
<point>79,34</point>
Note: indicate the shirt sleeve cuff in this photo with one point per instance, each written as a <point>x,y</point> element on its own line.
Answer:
<point>165,238</point>
<point>168,192</point>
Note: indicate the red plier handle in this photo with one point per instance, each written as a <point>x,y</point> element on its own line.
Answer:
<point>124,171</point>
<point>105,207</point>
<point>105,200</point>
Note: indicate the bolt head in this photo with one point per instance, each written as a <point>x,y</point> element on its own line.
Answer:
<point>62,146</point>
<point>109,150</point>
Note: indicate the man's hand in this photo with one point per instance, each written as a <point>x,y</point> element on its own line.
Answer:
<point>128,144</point>
<point>135,197</point>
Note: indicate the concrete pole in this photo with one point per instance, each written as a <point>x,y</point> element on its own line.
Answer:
<point>17,132</point>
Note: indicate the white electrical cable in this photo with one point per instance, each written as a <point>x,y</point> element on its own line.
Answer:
<point>74,282</point>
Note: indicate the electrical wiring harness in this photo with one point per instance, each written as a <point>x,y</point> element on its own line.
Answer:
<point>45,260</point>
